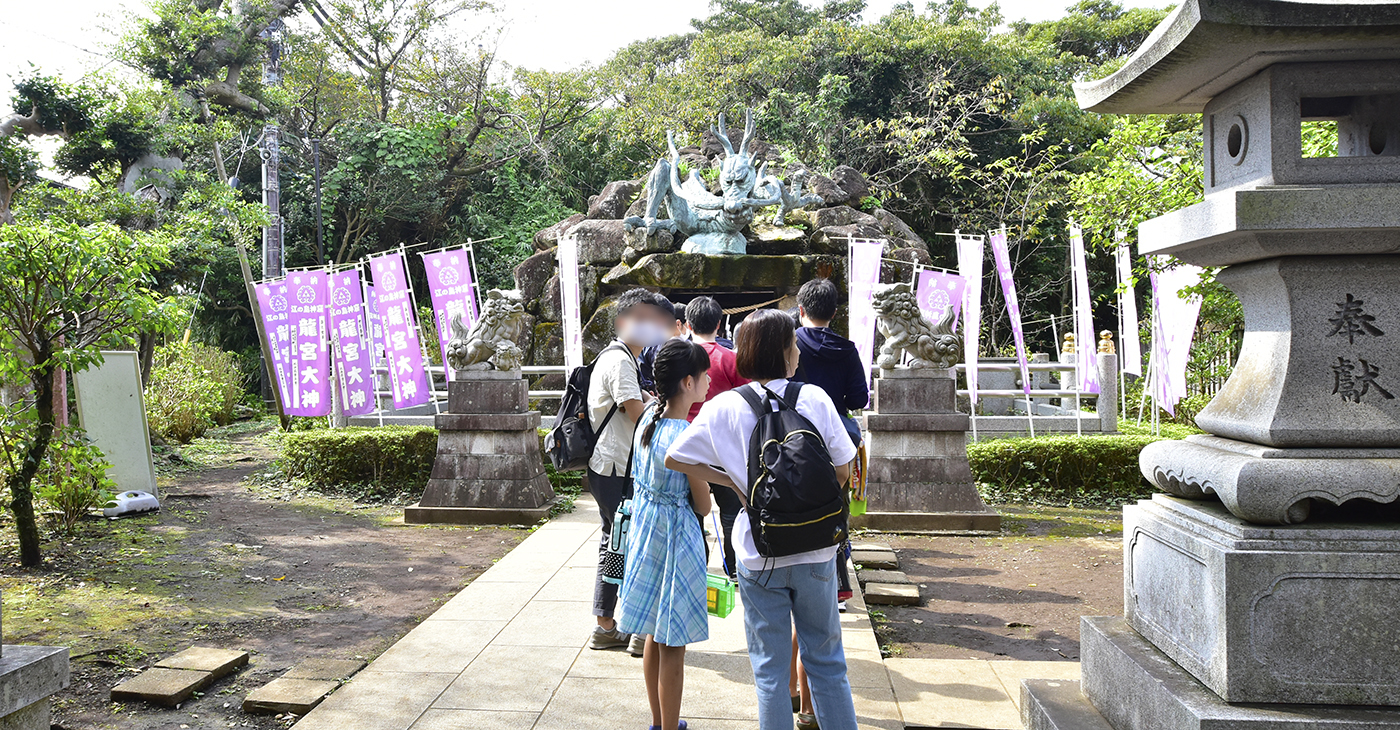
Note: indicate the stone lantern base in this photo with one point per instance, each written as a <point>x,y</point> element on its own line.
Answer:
<point>29,675</point>
<point>489,469</point>
<point>918,479</point>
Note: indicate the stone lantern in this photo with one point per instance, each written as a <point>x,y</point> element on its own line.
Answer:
<point>1263,592</point>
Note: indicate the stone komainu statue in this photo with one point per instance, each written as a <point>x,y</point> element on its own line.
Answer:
<point>490,343</point>
<point>713,223</point>
<point>906,330</point>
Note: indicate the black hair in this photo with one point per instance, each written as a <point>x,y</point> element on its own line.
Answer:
<point>763,344</point>
<point>633,297</point>
<point>675,361</point>
<point>818,299</point>
<point>703,315</point>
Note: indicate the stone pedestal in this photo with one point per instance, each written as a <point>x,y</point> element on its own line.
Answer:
<point>29,675</point>
<point>489,469</point>
<point>918,477</point>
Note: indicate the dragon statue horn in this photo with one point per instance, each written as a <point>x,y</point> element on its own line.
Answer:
<point>671,143</point>
<point>748,131</point>
<point>723,135</point>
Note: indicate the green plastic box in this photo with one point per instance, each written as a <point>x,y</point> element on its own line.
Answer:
<point>719,595</point>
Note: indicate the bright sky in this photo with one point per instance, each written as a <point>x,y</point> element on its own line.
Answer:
<point>70,37</point>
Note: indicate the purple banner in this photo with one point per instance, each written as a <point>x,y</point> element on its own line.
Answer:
<point>1002,256</point>
<point>937,292</point>
<point>310,364</point>
<point>352,352</point>
<point>970,258</point>
<point>404,353</point>
<point>1128,343</point>
<point>450,285</point>
<point>376,326</point>
<point>1173,327</point>
<point>1086,362</point>
<point>276,317</point>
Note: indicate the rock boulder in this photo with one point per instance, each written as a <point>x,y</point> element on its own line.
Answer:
<point>599,241</point>
<point>532,276</point>
<point>844,215</point>
<point>549,237</point>
<point>612,203</point>
<point>836,239</point>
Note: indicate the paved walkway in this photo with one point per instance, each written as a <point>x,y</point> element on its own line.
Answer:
<point>508,653</point>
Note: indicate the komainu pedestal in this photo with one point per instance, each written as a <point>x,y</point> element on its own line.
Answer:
<point>918,477</point>
<point>489,469</point>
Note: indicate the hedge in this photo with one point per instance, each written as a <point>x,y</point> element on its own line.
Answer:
<point>387,456</point>
<point>1063,470</point>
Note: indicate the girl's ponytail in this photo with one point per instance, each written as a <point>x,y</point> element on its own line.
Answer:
<point>675,361</point>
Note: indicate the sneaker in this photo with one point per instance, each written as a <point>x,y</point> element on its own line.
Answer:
<point>807,722</point>
<point>605,639</point>
<point>637,645</point>
<point>841,606</point>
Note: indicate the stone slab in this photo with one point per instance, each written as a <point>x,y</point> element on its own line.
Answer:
<point>486,466</point>
<point>38,716</point>
<point>1012,672</point>
<point>1053,704</point>
<point>914,395</point>
<point>30,674</point>
<point>285,694</point>
<point>487,421</point>
<point>488,396</point>
<point>875,560</point>
<point>891,594</point>
<point>1301,614</point>
<point>420,515</point>
<point>918,373</point>
<point>882,576</point>
<point>488,493</point>
<point>937,522</point>
<point>320,668</point>
<point>218,663</point>
<point>899,444</point>
<point>917,422</point>
<point>161,686</point>
<point>378,701</point>
<point>1136,687</point>
<point>514,442</point>
<point>1260,451</point>
<point>934,693</point>
<point>920,469</point>
<point>489,375</point>
<point>932,497</point>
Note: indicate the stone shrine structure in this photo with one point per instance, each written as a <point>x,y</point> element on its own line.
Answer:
<point>1263,593</point>
<point>489,469</point>
<point>918,477</point>
<point>29,676</point>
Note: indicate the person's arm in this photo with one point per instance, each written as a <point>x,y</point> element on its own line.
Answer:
<point>843,473</point>
<point>857,392</point>
<point>703,472</point>
<point>627,392</point>
<point>699,495</point>
<point>633,409</point>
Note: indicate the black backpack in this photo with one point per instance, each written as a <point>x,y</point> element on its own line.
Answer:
<point>571,442</point>
<point>796,503</point>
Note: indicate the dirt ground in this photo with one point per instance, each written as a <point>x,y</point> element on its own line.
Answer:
<point>232,564</point>
<point>1015,596</point>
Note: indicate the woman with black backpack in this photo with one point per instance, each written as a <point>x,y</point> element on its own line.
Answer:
<point>785,442</point>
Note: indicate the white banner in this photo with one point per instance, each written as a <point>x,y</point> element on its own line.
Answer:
<point>1085,343</point>
<point>971,253</point>
<point>1174,326</point>
<point>863,273</point>
<point>1128,345</point>
<point>569,302</point>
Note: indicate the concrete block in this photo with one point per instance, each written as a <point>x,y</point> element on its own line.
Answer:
<point>951,693</point>
<point>38,716</point>
<point>319,668</point>
<point>424,515</point>
<point>284,694</point>
<point>30,674</point>
<point>917,469</point>
<point>882,576</point>
<point>160,686</point>
<point>530,493</point>
<point>1054,704</point>
<point>917,443</point>
<point>218,663</point>
<point>938,522</point>
<point>917,422</point>
<point>1300,614</point>
<point>915,395</point>
<point>1136,687</point>
<point>920,496</point>
<point>487,421</point>
<point>488,396</point>
<point>875,560</point>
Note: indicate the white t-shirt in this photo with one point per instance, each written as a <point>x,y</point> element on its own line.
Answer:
<point>614,382</point>
<point>720,437</point>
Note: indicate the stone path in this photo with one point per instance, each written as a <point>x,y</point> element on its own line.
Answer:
<point>508,653</point>
<point>967,693</point>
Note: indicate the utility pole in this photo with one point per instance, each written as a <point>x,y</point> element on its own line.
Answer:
<point>271,154</point>
<point>316,163</point>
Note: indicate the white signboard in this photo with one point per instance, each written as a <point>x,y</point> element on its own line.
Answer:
<point>569,302</point>
<point>112,411</point>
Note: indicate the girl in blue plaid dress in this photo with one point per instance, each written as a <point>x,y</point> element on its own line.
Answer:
<point>663,586</point>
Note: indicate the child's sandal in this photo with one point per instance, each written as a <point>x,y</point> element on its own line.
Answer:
<point>806,722</point>
<point>679,726</point>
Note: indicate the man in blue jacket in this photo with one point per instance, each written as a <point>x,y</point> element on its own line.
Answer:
<point>829,361</point>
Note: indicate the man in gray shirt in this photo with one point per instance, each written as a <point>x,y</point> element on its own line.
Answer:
<point>642,319</point>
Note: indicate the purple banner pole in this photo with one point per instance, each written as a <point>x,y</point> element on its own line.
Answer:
<point>1002,256</point>
<point>352,352</point>
<point>1085,343</point>
<point>273,308</point>
<point>404,353</point>
<point>452,289</point>
<point>937,292</point>
<point>310,371</point>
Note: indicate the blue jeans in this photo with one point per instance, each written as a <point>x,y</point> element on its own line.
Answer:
<point>776,600</point>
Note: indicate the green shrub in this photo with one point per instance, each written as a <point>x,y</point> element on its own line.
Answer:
<point>1062,470</point>
<point>193,387</point>
<point>73,478</point>
<point>390,458</point>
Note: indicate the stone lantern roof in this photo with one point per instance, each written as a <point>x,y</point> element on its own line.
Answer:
<point>1207,46</point>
